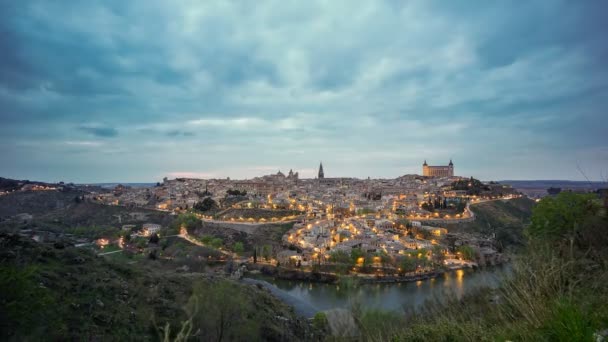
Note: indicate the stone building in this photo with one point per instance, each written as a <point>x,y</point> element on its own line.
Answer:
<point>438,171</point>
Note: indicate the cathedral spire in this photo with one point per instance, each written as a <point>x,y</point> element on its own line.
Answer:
<point>321,173</point>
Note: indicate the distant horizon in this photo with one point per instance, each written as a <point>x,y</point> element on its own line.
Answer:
<point>161,180</point>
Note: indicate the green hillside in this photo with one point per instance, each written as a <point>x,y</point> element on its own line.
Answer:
<point>49,293</point>
<point>505,218</point>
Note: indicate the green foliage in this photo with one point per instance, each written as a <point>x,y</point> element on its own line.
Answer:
<point>22,302</point>
<point>407,264</point>
<point>568,323</point>
<point>231,192</point>
<point>564,214</point>
<point>141,243</point>
<point>206,239</point>
<point>438,256</point>
<point>504,218</point>
<point>385,259</point>
<point>365,211</point>
<point>472,186</point>
<point>188,221</point>
<point>266,252</point>
<point>466,252</point>
<point>319,322</point>
<point>70,294</point>
<point>355,254</point>
<point>94,232</point>
<point>206,205</point>
<point>221,311</point>
<point>238,248</point>
<point>341,257</point>
<point>380,325</point>
<point>126,235</point>
<point>216,243</point>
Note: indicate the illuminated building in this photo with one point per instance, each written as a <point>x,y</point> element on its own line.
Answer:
<point>438,171</point>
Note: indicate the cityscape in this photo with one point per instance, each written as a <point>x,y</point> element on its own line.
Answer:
<point>411,170</point>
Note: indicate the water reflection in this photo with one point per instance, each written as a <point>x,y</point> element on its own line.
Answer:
<point>392,296</point>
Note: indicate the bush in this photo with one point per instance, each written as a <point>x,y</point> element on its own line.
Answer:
<point>239,248</point>
<point>562,215</point>
<point>221,310</point>
<point>206,205</point>
<point>320,323</point>
<point>216,243</point>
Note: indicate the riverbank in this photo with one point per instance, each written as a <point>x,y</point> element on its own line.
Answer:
<point>332,278</point>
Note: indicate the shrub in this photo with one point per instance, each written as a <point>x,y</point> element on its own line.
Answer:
<point>320,323</point>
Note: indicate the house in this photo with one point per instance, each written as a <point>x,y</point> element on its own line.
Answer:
<point>151,228</point>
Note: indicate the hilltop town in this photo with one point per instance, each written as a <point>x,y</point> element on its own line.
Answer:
<point>380,227</point>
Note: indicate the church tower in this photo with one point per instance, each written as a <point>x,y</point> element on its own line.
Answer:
<point>321,174</point>
<point>451,169</point>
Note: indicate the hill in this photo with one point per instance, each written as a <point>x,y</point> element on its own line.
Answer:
<point>505,218</point>
<point>50,293</point>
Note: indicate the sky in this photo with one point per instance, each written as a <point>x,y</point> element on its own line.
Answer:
<point>134,91</point>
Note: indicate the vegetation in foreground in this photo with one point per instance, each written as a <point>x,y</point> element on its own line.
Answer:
<point>557,291</point>
<point>65,293</point>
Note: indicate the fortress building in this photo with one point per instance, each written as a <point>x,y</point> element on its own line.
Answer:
<point>438,171</point>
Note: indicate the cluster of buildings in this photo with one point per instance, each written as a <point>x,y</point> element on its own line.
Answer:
<point>321,197</point>
<point>317,240</point>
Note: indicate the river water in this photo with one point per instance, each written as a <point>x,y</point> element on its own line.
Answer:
<point>307,298</point>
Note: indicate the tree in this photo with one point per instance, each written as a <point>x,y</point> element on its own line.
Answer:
<point>438,256</point>
<point>125,235</point>
<point>266,252</point>
<point>357,257</point>
<point>152,255</point>
<point>320,323</point>
<point>188,221</point>
<point>562,215</point>
<point>206,205</point>
<point>255,255</point>
<point>238,248</point>
<point>154,238</point>
<point>216,243</point>
<point>231,192</point>
<point>466,252</point>
<point>407,264</point>
<point>221,311</point>
<point>339,257</point>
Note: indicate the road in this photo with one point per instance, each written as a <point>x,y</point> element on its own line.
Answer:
<point>112,252</point>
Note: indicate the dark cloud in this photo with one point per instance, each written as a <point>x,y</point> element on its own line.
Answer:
<point>99,130</point>
<point>178,133</point>
<point>388,83</point>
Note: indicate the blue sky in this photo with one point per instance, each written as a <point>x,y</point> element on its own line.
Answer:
<point>138,90</point>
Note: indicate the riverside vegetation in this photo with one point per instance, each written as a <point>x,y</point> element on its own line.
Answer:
<point>557,290</point>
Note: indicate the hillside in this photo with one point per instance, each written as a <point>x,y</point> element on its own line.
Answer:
<point>506,218</point>
<point>71,294</point>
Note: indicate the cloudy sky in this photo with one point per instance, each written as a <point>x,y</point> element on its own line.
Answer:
<point>138,90</point>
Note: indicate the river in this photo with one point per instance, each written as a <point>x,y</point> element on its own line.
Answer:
<point>307,298</point>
